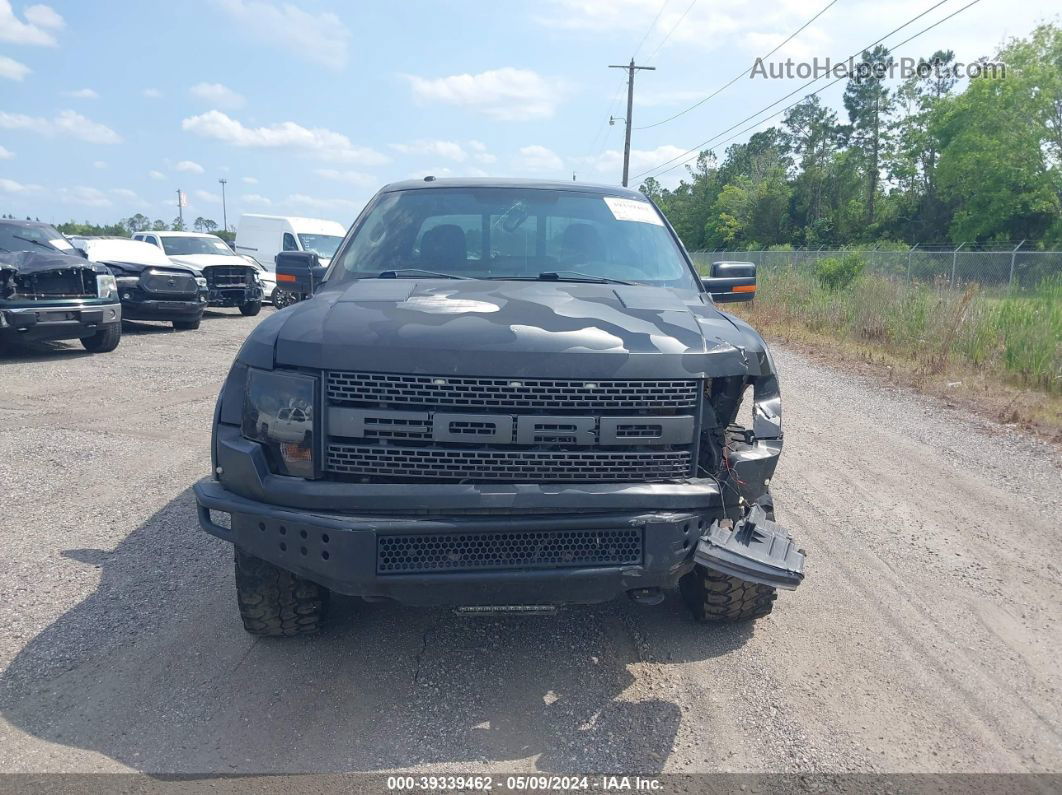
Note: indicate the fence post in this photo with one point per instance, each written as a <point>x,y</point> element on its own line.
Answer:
<point>954,262</point>
<point>1013,254</point>
<point>909,251</point>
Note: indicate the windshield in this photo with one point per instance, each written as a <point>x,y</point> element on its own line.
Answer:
<point>504,233</point>
<point>33,237</point>
<point>323,246</point>
<point>125,251</point>
<point>175,246</point>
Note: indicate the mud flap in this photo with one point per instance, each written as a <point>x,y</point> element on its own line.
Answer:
<point>756,549</point>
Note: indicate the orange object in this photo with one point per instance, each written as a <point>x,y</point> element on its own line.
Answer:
<point>285,277</point>
<point>745,288</point>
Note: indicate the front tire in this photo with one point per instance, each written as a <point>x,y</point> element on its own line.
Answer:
<point>105,340</point>
<point>283,299</point>
<point>187,325</point>
<point>716,597</point>
<point>274,602</point>
<point>251,308</point>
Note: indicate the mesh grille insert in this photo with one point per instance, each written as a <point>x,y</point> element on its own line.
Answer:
<point>509,393</point>
<point>410,463</point>
<point>527,549</point>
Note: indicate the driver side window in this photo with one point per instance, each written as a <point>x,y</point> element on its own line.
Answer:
<point>289,242</point>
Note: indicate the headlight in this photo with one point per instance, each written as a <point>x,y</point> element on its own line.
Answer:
<point>106,286</point>
<point>201,282</point>
<point>278,411</point>
<point>257,278</point>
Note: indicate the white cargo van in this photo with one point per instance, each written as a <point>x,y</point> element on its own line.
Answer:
<point>262,237</point>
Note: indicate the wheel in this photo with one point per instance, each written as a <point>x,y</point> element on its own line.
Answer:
<point>187,325</point>
<point>251,308</point>
<point>713,596</point>
<point>274,602</point>
<point>105,340</point>
<point>283,298</point>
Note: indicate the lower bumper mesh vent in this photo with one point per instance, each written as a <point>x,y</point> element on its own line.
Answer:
<point>530,549</point>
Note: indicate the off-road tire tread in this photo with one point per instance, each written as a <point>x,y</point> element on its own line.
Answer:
<point>105,340</point>
<point>251,308</point>
<point>276,603</point>
<point>716,597</point>
<point>186,325</point>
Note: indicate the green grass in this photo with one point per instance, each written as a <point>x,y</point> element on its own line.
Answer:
<point>1018,338</point>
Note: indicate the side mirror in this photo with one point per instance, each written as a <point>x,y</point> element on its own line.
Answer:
<point>299,272</point>
<point>731,282</point>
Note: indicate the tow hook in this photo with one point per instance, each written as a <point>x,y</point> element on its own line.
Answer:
<point>755,549</point>
<point>646,596</point>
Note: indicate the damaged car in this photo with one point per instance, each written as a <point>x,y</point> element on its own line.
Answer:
<point>231,279</point>
<point>150,286</point>
<point>48,291</point>
<point>504,396</point>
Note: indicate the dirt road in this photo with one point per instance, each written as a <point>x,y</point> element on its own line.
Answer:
<point>926,637</point>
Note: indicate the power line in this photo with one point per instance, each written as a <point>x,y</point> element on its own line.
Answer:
<point>660,46</point>
<point>740,75</point>
<point>701,146</point>
<point>649,29</point>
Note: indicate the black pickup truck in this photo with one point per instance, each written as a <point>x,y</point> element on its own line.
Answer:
<point>504,396</point>
<point>48,291</point>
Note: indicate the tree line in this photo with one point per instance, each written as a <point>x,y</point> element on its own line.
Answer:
<point>141,223</point>
<point>919,163</point>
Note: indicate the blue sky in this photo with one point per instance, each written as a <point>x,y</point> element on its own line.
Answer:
<point>307,107</point>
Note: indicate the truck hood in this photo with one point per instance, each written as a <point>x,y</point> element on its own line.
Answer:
<point>24,262</point>
<point>140,267</point>
<point>508,329</point>
<point>201,261</point>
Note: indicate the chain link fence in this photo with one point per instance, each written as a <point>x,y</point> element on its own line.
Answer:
<point>956,267</point>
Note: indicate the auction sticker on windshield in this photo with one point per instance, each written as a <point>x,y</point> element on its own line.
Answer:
<point>631,210</point>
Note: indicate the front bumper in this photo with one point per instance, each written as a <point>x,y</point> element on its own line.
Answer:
<point>234,296</point>
<point>66,321</point>
<point>340,552</point>
<point>142,307</point>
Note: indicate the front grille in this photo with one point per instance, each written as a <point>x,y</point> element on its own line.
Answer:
<point>524,549</point>
<point>510,393</point>
<point>66,283</point>
<point>169,282</point>
<point>527,466</point>
<point>220,277</point>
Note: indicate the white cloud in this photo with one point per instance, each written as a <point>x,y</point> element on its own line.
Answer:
<point>538,158</point>
<point>129,196</point>
<point>12,69</point>
<point>156,175</point>
<point>321,38</point>
<point>451,150</point>
<point>40,21</point>
<point>315,203</point>
<point>249,180</point>
<point>189,167</point>
<point>67,123</point>
<point>99,164</point>
<point>207,196</point>
<point>151,93</point>
<point>324,143</point>
<point>10,186</point>
<point>505,94</point>
<point>595,15</point>
<point>82,93</point>
<point>218,95</point>
<point>480,153</point>
<point>255,199</point>
<point>611,162</point>
<point>358,178</point>
<point>84,196</point>
<point>6,154</point>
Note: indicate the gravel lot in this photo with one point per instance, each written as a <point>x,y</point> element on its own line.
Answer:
<point>926,637</point>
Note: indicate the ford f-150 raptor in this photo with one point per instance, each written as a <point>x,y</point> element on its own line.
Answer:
<point>503,396</point>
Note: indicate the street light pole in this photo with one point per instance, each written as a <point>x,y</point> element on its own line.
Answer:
<point>224,211</point>
<point>631,68</point>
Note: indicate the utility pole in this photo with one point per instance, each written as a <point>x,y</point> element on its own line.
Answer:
<point>180,207</point>
<point>631,69</point>
<point>224,212</point>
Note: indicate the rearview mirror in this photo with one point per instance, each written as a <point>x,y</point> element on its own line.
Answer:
<point>731,282</point>
<point>299,272</point>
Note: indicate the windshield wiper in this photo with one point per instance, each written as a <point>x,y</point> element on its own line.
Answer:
<point>402,273</point>
<point>576,276</point>
<point>36,242</point>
